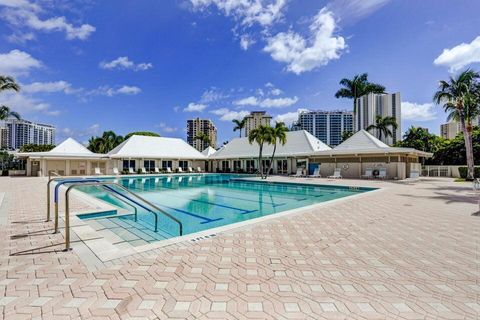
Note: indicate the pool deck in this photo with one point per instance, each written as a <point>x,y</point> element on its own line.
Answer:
<point>409,251</point>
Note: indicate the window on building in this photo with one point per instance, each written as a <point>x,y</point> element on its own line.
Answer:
<point>128,164</point>
<point>166,164</point>
<point>149,165</point>
<point>183,164</point>
<point>237,165</point>
<point>250,165</point>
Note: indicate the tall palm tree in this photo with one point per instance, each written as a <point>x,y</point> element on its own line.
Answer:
<point>108,141</point>
<point>382,125</point>
<point>356,87</point>
<point>456,96</point>
<point>278,133</point>
<point>260,135</point>
<point>8,83</point>
<point>203,137</point>
<point>239,125</point>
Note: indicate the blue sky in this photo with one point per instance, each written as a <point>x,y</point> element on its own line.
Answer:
<point>89,66</point>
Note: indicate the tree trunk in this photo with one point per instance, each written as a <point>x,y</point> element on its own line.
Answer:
<point>467,136</point>
<point>271,160</point>
<point>260,167</point>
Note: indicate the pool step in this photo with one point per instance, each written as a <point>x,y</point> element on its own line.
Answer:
<point>102,215</point>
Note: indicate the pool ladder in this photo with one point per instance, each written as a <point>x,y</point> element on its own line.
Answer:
<point>107,186</point>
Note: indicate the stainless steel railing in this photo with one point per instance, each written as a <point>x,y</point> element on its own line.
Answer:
<point>107,186</point>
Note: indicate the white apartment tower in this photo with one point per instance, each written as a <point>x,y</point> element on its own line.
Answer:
<point>255,119</point>
<point>326,126</point>
<point>384,105</point>
<point>197,126</point>
<point>22,132</point>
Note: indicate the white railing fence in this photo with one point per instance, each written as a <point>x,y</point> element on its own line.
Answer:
<point>441,171</point>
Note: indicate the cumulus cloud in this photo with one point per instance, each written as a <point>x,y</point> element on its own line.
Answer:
<point>24,104</point>
<point>229,115</point>
<point>267,103</point>
<point>301,54</point>
<point>418,111</point>
<point>350,11</point>
<point>123,63</point>
<point>289,117</point>
<point>113,91</point>
<point>247,12</point>
<point>246,41</point>
<point>165,128</point>
<point>48,87</point>
<point>194,107</point>
<point>22,14</point>
<point>460,56</point>
<point>17,63</point>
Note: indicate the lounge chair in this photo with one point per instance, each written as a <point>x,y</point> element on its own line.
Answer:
<point>190,169</point>
<point>316,173</point>
<point>115,171</point>
<point>299,173</point>
<point>97,171</point>
<point>169,170</point>
<point>382,173</point>
<point>199,169</point>
<point>143,171</point>
<point>180,170</point>
<point>337,174</point>
<point>130,171</point>
<point>368,174</point>
<point>156,170</point>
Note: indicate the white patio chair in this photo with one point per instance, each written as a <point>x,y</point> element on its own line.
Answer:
<point>115,171</point>
<point>156,170</point>
<point>97,171</point>
<point>337,174</point>
<point>316,173</point>
<point>199,169</point>
<point>368,174</point>
<point>382,173</point>
<point>299,173</point>
<point>169,170</point>
<point>144,171</point>
<point>180,170</point>
<point>130,170</point>
<point>190,169</point>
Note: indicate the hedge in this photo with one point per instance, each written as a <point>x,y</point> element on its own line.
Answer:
<point>463,172</point>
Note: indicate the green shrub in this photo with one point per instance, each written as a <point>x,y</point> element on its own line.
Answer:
<point>463,172</point>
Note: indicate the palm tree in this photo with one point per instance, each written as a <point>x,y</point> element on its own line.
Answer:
<point>357,87</point>
<point>346,135</point>
<point>278,133</point>
<point>8,83</point>
<point>239,125</point>
<point>205,138</point>
<point>457,97</point>
<point>260,136</point>
<point>108,141</point>
<point>382,125</point>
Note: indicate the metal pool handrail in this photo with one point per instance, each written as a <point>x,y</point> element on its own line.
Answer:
<point>50,179</point>
<point>107,186</point>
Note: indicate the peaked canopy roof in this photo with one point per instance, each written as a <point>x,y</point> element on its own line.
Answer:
<point>299,143</point>
<point>70,148</point>
<point>208,151</point>
<point>363,142</point>
<point>156,148</point>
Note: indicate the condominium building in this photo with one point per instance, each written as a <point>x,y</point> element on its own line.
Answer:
<point>450,130</point>
<point>22,132</point>
<point>256,119</point>
<point>384,105</point>
<point>197,126</point>
<point>3,138</point>
<point>326,126</point>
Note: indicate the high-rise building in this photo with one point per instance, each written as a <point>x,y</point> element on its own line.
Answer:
<point>255,119</point>
<point>197,126</point>
<point>385,105</point>
<point>326,126</point>
<point>450,130</point>
<point>3,138</point>
<point>22,132</point>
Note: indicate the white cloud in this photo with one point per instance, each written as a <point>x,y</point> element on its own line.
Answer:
<point>350,11</point>
<point>20,37</point>
<point>22,103</point>
<point>246,41</point>
<point>17,63</point>
<point>229,115</point>
<point>48,87</point>
<point>418,112</point>
<point>19,14</point>
<point>249,101</point>
<point>79,134</point>
<point>212,95</point>
<point>165,128</point>
<point>267,103</point>
<point>247,12</point>
<point>194,107</point>
<point>460,56</point>
<point>276,92</point>
<point>302,54</point>
<point>289,117</point>
<point>123,63</point>
<point>113,91</point>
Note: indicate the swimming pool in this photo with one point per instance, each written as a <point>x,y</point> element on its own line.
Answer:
<point>207,201</point>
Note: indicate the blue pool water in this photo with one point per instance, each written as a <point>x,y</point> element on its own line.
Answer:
<point>206,201</point>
